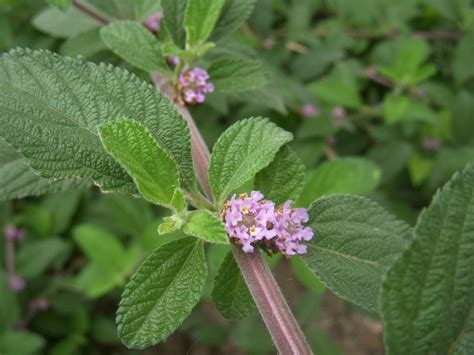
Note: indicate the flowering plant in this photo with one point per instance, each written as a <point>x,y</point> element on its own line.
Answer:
<point>67,123</point>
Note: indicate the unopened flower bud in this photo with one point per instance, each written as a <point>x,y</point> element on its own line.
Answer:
<point>13,233</point>
<point>310,111</point>
<point>17,284</point>
<point>39,304</point>
<point>153,22</point>
<point>431,144</point>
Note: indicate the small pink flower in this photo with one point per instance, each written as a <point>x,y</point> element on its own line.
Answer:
<point>431,144</point>
<point>310,111</point>
<point>17,284</point>
<point>252,221</point>
<point>338,115</point>
<point>39,304</point>
<point>153,22</point>
<point>13,233</point>
<point>193,85</point>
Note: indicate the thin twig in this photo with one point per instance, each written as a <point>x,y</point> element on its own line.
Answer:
<point>91,12</point>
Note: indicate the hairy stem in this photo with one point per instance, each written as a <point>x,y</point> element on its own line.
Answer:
<point>91,12</point>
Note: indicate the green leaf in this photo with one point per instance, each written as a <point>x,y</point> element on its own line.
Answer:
<point>20,180</point>
<point>428,294</point>
<point>242,151</point>
<point>306,276</point>
<point>36,256</point>
<point>234,75</point>
<point>419,168</point>
<point>174,18</point>
<point>64,24</point>
<point>86,44</point>
<point>283,179</point>
<point>233,13</point>
<point>231,295</point>
<point>207,226</point>
<point>356,176</point>
<point>126,9</point>
<point>162,293</point>
<point>9,308</point>
<point>20,343</point>
<point>462,62</point>
<point>355,243</point>
<point>153,171</point>
<point>134,43</point>
<point>61,4</point>
<point>58,103</point>
<point>199,20</point>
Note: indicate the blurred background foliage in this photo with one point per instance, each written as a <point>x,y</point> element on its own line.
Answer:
<point>380,97</point>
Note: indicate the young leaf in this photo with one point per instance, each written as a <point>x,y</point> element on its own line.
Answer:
<point>20,180</point>
<point>58,103</point>
<point>199,20</point>
<point>355,243</point>
<point>428,296</point>
<point>233,13</point>
<point>174,18</point>
<point>207,226</point>
<point>62,4</point>
<point>134,43</point>
<point>345,175</point>
<point>230,294</point>
<point>283,179</point>
<point>162,293</point>
<point>152,170</point>
<point>243,150</point>
<point>233,75</point>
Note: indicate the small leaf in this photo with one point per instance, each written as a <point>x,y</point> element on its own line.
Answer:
<point>162,293</point>
<point>174,18</point>
<point>134,43</point>
<point>61,4</point>
<point>152,170</point>
<point>345,175</point>
<point>234,75</point>
<point>20,343</point>
<point>283,179</point>
<point>231,295</point>
<point>199,20</point>
<point>205,225</point>
<point>233,13</point>
<point>428,294</point>
<point>355,242</point>
<point>63,24</point>
<point>242,151</point>
<point>462,68</point>
<point>178,201</point>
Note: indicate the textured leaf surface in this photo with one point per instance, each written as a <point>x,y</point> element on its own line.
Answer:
<point>162,293</point>
<point>346,175</point>
<point>207,226</point>
<point>283,179</point>
<point>233,13</point>
<point>355,243</point>
<point>200,18</point>
<point>154,172</point>
<point>20,180</point>
<point>134,43</point>
<point>233,75</point>
<point>231,295</point>
<point>174,10</point>
<point>51,108</point>
<point>243,150</point>
<point>428,295</point>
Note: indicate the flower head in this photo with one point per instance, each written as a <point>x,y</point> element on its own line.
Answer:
<point>252,221</point>
<point>310,111</point>
<point>193,86</point>
<point>153,22</point>
<point>431,144</point>
<point>17,284</point>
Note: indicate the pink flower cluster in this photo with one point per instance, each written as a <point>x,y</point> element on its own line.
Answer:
<point>153,22</point>
<point>193,86</point>
<point>253,221</point>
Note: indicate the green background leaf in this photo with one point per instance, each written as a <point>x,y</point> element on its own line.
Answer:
<point>233,75</point>
<point>233,13</point>
<point>174,20</point>
<point>200,18</point>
